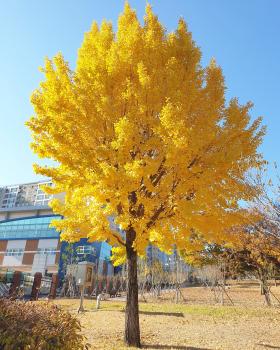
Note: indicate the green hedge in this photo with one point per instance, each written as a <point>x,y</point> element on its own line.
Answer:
<point>38,326</point>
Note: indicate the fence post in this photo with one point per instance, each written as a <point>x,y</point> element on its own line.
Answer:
<point>54,283</point>
<point>36,286</point>
<point>98,299</point>
<point>82,291</point>
<point>15,283</point>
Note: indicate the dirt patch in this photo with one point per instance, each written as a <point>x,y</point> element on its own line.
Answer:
<point>193,325</point>
<point>241,294</point>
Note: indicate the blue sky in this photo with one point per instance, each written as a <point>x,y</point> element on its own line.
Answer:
<point>243,36</point>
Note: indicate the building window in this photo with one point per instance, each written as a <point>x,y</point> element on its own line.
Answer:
<point>46,251</point>
<point>42,198</point>
<point>38,227</point>
<point>85,249</point>
<point>14,252</point>
<point>14,189</point>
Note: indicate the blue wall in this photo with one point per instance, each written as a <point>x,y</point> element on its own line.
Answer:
<point>96,252</point>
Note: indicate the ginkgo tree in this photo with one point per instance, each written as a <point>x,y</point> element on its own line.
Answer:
<point>141,132</point>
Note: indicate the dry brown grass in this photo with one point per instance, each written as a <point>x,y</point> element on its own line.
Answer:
<point>196,324</point>
<point>245,293</point>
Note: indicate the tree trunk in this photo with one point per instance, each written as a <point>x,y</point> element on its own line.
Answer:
<point>132,329</point>
<point>177,294</point>
<point>265,290</point>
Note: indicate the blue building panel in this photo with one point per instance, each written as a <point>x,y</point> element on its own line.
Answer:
<point>98,253</point>
<point>38,227</point>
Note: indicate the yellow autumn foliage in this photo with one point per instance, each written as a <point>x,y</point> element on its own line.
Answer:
<point>141,133</point>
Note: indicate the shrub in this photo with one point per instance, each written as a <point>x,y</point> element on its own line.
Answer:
<point>38,325</point>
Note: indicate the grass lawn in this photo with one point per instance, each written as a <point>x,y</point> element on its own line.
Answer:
<point>167,325</point>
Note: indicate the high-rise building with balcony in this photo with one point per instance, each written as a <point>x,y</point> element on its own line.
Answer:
<point>24,195</point>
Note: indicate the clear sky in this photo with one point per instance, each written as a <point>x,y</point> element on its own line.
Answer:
<point>243,36</point>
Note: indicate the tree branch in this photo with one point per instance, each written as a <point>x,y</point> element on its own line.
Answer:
<point>155,216</point>
<point>118,239</point>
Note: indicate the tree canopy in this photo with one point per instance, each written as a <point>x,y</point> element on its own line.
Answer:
<point>142,132</point>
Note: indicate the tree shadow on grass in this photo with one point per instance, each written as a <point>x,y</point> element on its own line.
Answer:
<point>173,347</point>
<point>270,346</point>
<point>158,313</point>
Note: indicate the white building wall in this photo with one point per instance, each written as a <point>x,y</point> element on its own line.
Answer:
<point>18,243</point>
<point>41,261</point>
<point>14,260</point>
<point>48,243</point>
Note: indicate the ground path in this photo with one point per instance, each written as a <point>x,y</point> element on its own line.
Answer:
<point>166,325</point>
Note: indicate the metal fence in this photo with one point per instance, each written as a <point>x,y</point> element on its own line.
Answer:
<point>24,285</point>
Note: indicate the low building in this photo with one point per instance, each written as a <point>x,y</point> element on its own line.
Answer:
<point>29,244</point>
<point>98,253</point>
